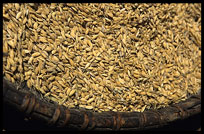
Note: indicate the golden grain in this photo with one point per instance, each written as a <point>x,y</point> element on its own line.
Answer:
<point>104,64</point>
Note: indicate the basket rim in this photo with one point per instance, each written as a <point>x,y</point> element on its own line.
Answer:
<point>61,116</point>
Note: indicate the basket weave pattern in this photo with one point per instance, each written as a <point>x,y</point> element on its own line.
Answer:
<point>61,116</point>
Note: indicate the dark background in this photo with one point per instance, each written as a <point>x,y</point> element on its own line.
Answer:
<point>15,121</point>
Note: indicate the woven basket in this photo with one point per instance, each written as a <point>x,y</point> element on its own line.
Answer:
<point>34,106</point>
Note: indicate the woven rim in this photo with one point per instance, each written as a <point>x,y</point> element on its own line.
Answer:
<point>60,116</point>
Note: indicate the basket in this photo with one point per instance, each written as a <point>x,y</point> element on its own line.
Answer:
<point>56,115</point>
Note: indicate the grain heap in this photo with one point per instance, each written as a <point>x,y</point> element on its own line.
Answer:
<point>104,57</point>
